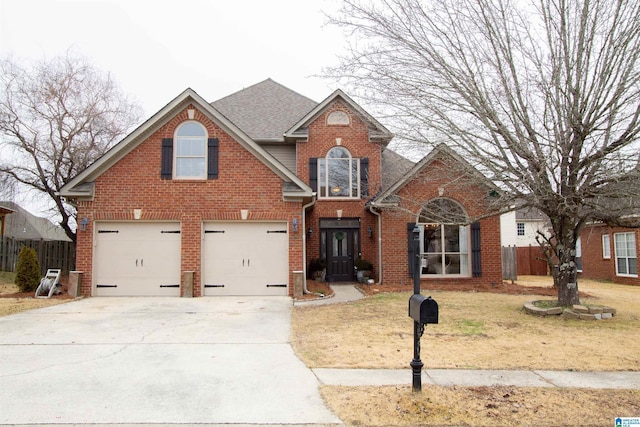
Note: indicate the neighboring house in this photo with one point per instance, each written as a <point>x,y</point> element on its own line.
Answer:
<point>610,253</point>
<point>20,224</point>
<point>530,223</point>
<point>3,214</point>
<point>242,193</point>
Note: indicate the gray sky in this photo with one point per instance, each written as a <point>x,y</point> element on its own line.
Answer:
<point>156,49</point>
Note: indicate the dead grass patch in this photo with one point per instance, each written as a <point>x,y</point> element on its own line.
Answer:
<point>479,406</point>
<point>13,301</point>
<point>477,330</point>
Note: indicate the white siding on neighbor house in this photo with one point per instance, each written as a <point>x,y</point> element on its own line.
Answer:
<point>531,228</point>
<point>508,229</point>
<point>285,154</point>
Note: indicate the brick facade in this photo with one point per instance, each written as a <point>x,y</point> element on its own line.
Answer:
<point>355,138</point>
<point>245,182</point>
<point>594,265</point>
<point>134,183</point>
<point>433,182</point>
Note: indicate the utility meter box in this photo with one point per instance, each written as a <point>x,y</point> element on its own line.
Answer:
<point>423,309</point>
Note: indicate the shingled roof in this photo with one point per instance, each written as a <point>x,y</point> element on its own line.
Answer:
<point>265,110</point>
<point>22,224</point>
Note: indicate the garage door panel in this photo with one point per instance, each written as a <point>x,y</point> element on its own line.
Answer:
<point>135,259</point>
<point>246,259</point>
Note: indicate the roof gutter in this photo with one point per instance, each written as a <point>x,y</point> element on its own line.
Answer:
<point>304,243</point>
<point>371,209</point>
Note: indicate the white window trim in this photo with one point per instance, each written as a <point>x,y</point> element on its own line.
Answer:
<point>615,248</point>
<point>606,246</point>
<point>442,243</point>
<point>325,185</point>
<point>176,157</point>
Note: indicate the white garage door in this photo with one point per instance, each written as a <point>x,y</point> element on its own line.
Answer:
<point>245,258</point>
<point>134,258</point>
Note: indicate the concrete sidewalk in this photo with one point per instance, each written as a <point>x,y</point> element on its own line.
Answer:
<point>475,378</point>
<point>342,292</point>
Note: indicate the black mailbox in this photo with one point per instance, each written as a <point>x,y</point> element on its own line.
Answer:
<point>423,309</point>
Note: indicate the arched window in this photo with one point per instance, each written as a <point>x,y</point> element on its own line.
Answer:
<point>338,118</point>
<point>190,151</point>
<point>444,233</point>
<point>339,174</point>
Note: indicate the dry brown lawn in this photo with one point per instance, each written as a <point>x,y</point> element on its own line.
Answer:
<point>13,301</point>
<point>477,330</point>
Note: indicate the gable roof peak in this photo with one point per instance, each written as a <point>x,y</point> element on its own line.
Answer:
<point>377,131</point>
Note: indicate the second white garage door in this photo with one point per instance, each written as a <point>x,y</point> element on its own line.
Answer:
<point>245,258</point>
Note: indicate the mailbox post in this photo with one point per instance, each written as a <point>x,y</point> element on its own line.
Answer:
<point>422,310</point>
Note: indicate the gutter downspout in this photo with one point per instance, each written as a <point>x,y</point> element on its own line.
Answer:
<point>304,243</point>
<point>379,242</point>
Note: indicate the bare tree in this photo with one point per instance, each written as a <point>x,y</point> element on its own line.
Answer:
<point>541,96</point>
<point>7,187</point>
<point>56,118</point>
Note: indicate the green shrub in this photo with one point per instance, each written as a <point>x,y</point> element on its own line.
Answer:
<point>28,270</point>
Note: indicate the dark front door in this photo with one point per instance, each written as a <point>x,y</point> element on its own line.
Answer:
<point>340,254</point>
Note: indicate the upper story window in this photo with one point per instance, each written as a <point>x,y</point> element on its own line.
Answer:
<point>339,174</point>
<point>520,227</point>
<point>445,239</point>
<point>190,152</point>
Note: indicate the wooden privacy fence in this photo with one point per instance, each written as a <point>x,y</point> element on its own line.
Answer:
<point>531,261</point>
<point>509,263</point>
<point>51,254</point>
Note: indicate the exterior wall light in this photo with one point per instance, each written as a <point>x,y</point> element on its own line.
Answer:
<point>370,232</point>
<point>83,224</point>
<point>310,232</point>
<point>294,224</point>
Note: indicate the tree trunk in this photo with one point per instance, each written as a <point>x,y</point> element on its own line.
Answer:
<point>565,273</point>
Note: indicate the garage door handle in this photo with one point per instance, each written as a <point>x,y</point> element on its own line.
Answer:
<point>142,263</point>
<point>248,263</point>
<point>136,262</point>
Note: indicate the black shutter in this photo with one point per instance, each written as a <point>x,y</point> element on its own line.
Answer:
<point>476,261</point>
<point>364,177</point>
<point>411,254</point>
<point>166,167</point>
<point>313,173</point>
<point>212,158</point>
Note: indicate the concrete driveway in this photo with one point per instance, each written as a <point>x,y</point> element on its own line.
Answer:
<point>156,360</point>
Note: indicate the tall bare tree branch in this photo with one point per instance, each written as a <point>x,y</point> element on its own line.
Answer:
<point>56,118</point>
<point>541,96</point>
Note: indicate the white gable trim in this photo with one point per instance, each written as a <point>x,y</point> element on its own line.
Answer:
<point>77,186</point>
<point>299,129</point>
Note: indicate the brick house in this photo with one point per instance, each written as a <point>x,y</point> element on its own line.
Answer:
<point>609,253</point>
<point>235,197</point>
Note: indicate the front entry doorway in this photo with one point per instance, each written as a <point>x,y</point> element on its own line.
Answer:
<point>341,246</point>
